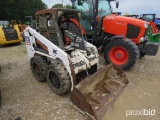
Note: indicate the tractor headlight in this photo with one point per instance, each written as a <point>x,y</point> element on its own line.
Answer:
<point>146,25</point>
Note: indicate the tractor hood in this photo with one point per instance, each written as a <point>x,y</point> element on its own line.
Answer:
<point>131,28</point>
<point>127,20</point>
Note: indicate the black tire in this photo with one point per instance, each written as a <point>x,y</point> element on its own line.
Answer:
<point>39,68</point>
<point>129,47</point>
<point>58,79</point>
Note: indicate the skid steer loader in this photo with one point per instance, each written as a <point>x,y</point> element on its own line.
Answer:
<point>69,63</point>
<point>9,34</point>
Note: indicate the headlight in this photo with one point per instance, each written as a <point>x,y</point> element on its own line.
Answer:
<point>146,25</point>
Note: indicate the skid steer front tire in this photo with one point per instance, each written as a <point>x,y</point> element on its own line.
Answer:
<point>121,52</point>
<point>39,68</point>
<point>58,79</point>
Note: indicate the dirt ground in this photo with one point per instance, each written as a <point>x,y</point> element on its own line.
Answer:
<point>23,97</point>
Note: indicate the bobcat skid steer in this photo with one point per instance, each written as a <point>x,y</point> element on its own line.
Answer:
<point>59,54</point>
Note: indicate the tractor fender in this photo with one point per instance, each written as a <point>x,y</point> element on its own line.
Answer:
<point>109,39</point>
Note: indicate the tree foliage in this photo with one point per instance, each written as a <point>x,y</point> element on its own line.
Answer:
<point>18,9</point>
<point>57,6</point>
<point>68,6</point>
<point>61,6</point>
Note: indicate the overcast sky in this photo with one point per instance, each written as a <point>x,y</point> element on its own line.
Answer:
<point>130,6</point>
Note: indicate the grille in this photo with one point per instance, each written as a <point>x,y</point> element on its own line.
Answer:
<point>132,31</point>
<point>10,35</point>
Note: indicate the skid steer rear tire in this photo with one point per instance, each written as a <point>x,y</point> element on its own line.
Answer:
<point>58,79</point>
<point>39,68</point>
<point>121,52</point>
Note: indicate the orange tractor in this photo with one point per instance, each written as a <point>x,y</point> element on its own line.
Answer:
<point>123,39</point>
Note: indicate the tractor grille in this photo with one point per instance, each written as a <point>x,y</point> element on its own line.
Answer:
<point>10,34</point>
<point>132,31</point>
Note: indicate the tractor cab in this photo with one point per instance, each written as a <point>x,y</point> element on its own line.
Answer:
<point>88,14</point>
<point>148,17</point>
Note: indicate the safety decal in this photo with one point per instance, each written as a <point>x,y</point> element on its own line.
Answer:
<point>27,40</point>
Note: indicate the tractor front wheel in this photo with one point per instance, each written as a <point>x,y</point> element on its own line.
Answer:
<point>121,52</point>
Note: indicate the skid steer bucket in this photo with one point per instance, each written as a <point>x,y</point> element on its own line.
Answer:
<point>95,94</point>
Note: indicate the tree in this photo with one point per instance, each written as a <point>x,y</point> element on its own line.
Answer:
<point>18,9</point>
<point>57,6</point>
<point>68,6</point>
<point>61,6</point>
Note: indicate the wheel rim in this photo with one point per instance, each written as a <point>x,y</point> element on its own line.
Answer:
<point>36,69</point>
<point>54,79</point>
<point>118,55</point>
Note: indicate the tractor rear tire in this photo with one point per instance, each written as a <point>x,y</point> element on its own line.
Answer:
<point>58,79</point>
<point>39,68</point>
<point>121,52</point>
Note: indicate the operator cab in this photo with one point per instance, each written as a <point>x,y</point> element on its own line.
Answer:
<point>148,17</point>
<point>87,9</point>
<point>55,25</point>
<point>5,24</point>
